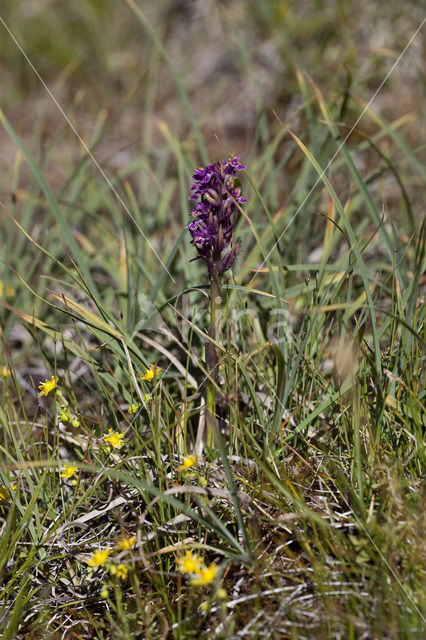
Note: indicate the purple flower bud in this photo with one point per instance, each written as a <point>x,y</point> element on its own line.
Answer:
<point>216,212</point>
<point>227,261</point>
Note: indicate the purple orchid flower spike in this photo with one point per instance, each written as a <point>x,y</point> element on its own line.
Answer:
<point>212,231</point>
<point>215,214</point>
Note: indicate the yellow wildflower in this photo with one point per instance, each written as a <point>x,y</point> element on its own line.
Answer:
<point>122,572</point>
<point>8,291</point>
<point>133,407</point>
<point>126,543</point>
<point>5,493</point>
<point>4,372</point>
<point>206,576</point>
<point>190,563</point>
<point>47,386</point>
<point>151,373</point>
<point>188,462</point>
<point>99,558</point>
<point>104,592</point>
<point>68,471</point>
<point>114,439</point>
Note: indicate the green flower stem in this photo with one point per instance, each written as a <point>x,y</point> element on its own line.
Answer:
<point>212,359</point>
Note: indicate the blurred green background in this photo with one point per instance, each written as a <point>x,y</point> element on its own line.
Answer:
<point>236,59</point>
